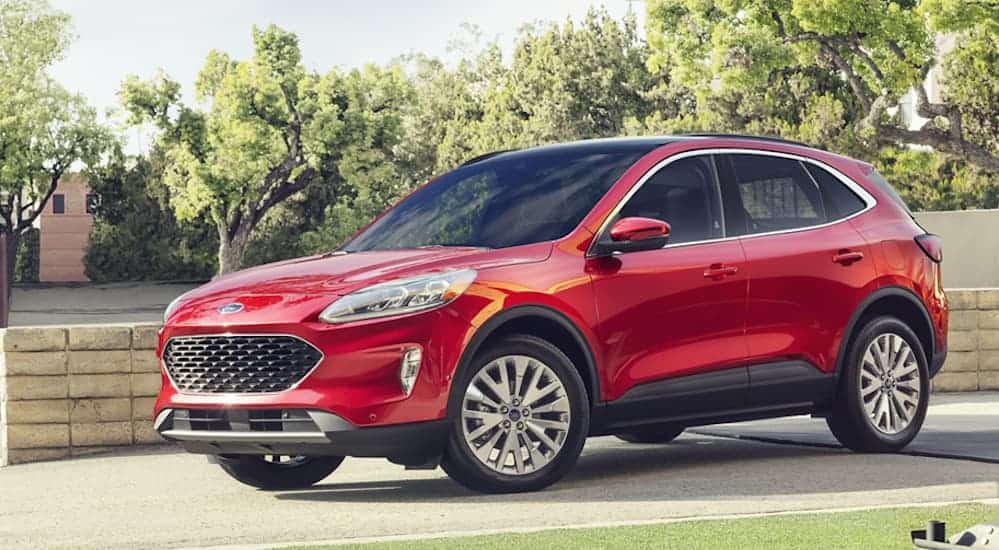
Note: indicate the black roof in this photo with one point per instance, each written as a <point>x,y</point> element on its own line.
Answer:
<point>603,145</point>
<point>620,144</point>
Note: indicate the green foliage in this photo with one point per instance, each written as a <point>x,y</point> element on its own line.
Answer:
<point>282,162</point>
<point>44,130</point>
<point>272,130</point>
<point>971,77</point>
<point>828,71</point>
<point>564,82</point>
<point>930,181</point>
<point>27,260</point>
<point>134,237</point>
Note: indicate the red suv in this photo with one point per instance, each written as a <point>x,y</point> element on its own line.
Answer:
<point>498,316</point>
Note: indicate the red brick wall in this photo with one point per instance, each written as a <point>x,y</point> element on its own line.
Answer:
<point>63,237</point>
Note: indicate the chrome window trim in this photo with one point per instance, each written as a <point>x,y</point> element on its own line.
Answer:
<point>322,357</point>
<point>868,199</point>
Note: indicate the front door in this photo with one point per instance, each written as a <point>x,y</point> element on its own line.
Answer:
<point>675,315</point>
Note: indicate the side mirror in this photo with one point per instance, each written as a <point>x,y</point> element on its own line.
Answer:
<point>634,234</point>
<point>638,229</point>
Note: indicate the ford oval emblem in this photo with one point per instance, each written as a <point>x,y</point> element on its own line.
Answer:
<point>228,309</point>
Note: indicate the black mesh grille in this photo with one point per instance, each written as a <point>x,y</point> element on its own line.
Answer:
<point>238,364</point>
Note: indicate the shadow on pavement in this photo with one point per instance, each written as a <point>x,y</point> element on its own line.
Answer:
<point>692,468</point>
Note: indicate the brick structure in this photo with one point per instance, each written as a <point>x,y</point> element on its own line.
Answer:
<point>64,228</point>
<point>973,354</point>
<point>69,391</point>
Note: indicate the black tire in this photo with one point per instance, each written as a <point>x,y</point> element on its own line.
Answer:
<point>464,467</point>
<point>658,433</point>
<point>848,420</point>
<point>299,473</point>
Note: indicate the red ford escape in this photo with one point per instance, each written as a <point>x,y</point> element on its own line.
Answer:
<point>498,316</point>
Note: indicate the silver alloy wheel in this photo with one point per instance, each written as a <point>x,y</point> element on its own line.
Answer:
<point>889,383</point>
<point>515,415</point>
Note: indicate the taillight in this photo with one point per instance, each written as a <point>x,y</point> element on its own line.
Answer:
<point>932,245</point>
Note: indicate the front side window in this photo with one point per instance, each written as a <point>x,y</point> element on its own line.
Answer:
<point>776,193</point>
<point>684,195</point>
<point>507,200</point>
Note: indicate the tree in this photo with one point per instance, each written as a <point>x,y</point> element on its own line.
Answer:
<point>44,130</point>
<point>135,235</point>
<point>877,49</point>
<point>271,130</point>
<point>575,80</point>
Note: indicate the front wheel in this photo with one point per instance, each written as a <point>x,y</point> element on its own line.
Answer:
<point>277,473</point>
<point>884,389</point>
<point>519,418</point>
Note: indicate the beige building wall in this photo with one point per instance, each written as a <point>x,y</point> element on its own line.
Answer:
<point>63,237</point>
<point>971,246</point>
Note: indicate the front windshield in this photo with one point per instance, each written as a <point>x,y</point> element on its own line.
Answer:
<point>508,200</point>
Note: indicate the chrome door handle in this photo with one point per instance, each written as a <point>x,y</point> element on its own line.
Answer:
<point>718,271</point>
<point>847,257</point>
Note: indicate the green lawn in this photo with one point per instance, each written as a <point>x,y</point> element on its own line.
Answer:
<point>882,529</point>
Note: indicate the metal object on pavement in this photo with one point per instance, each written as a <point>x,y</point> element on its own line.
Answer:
<point>934,537</point>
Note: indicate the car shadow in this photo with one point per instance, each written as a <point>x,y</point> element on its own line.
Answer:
<point>691,468</point>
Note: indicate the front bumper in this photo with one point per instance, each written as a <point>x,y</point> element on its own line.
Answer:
<point>299,432</point>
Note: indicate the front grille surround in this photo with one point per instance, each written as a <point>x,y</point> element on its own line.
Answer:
<point>238,364</point>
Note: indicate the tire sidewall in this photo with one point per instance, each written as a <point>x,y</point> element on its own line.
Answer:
<point>257,472</point>
<point>855,406</point>
<point>458,453</point>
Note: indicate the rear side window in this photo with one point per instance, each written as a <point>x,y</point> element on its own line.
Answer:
<point>886,187</point>
<point>776,193</point>
<point>840,201</point>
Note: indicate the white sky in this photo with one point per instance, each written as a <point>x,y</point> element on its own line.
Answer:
<point>119,37</point>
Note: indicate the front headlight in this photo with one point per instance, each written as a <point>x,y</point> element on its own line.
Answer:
<point>400,296</point>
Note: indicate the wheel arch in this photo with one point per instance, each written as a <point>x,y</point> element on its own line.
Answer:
<point>543,322</point>
<point>892,300</point>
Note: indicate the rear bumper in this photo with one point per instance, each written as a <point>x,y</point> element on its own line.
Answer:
<point>309,433</point>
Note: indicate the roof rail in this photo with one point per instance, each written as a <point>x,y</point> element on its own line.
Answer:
<point>485,156</point>
<point>747,136</point>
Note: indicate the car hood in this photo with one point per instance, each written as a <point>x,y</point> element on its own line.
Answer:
<point>299,288</point>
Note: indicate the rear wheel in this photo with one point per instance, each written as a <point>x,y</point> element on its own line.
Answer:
<point>658,433</point>
<point>519,418</point>
<point>884,389</point>
<point>275,473</point>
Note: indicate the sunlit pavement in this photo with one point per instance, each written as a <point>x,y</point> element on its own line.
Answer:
<point>153,498</point>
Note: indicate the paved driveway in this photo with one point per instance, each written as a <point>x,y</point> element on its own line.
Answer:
<point>161,498</point>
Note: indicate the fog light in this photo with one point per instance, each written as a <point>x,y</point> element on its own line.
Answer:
<point>409,367</point>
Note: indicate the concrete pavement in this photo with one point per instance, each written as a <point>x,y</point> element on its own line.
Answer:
<point>71,304</point>
<point>162,498</point>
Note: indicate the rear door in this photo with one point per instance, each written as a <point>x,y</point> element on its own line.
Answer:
<point>809,268</point>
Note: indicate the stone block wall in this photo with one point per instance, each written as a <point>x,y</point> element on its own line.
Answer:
<point>973,342</point>
<point>70,391</point>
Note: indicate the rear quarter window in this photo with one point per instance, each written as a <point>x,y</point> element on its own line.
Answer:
<point>840,201</point>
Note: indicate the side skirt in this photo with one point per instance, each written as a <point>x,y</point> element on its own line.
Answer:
<point>752,392</point>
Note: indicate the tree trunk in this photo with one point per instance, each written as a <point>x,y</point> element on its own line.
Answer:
<point>232,246</point>
<point>13,240</point>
